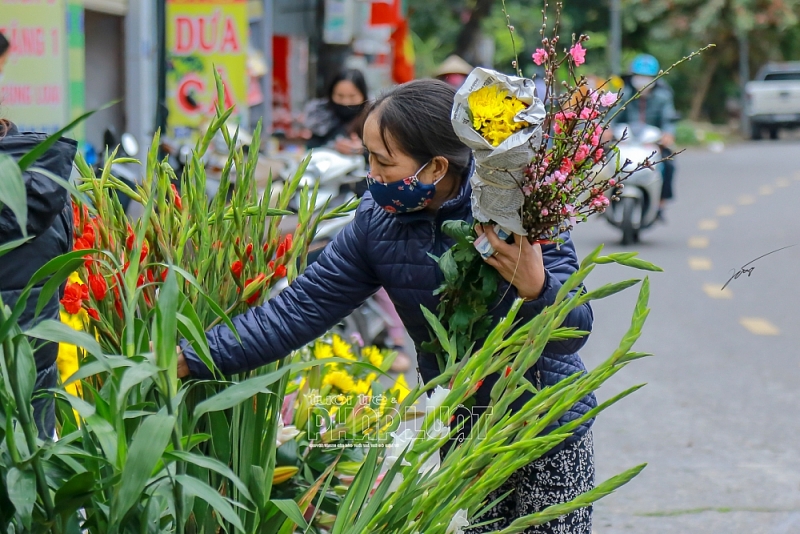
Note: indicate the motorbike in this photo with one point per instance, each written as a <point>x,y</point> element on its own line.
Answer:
<point>637,208</point>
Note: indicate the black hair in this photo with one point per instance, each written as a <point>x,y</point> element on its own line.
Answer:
<point>353,76</point>
<point>4,44</point>
<point>416,115</point>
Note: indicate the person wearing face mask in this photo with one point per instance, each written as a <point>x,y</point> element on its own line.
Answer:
<point>418,179</point>
<point>655,107</point>
<point>4,47</point>
<point>334,120</point>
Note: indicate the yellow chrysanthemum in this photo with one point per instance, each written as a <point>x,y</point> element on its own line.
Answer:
<point>493,113</point>
<point>341,348</point>
<point>341,380</point>
<point>486,104</point>
<point>400,388</point>
<point>373,355</point>
<point>322,350</point>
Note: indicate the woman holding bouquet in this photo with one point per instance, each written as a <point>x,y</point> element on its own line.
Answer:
<point>419,178</point>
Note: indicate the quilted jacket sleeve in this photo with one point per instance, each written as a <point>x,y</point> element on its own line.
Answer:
<point>559,264</point>
<point>329,290</point>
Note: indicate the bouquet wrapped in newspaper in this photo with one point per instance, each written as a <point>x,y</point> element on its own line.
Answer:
<point>500,118</point>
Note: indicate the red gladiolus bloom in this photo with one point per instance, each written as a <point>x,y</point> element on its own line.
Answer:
<point>178,201</point>
<point>252,299</point>
<point>73,297</point>
<point>236,268</point>
<point>93,314</point>
<point>248,249</point>
<point>280,271</point>
<point>129,239</point>
<point>271,265</point>
<point>288,241</point>
<point>150,278</point>
<point>508,371</point>
<point>88,234</point>
<point>145,251</point>
<point>281,250</point>
<point>81,244</point>
<point>98,285</point>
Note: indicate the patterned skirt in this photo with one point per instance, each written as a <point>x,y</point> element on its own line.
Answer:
<point>554,479</point>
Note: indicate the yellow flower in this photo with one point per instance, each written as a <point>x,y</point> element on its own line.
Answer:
<point>400,388</point>
<point>342,349</point>
<point>493,113</point>
<point>340,380</point>
<point>373,355</point>
<point>485,104</point>
<point>322,350</point>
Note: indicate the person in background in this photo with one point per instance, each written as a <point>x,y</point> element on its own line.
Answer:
<point>50,224</point>
<point>453,71</point>
<point>336,122</point>
<point>655,107</point>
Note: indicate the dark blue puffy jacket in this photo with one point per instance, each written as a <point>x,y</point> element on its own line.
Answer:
<point>379,249</point>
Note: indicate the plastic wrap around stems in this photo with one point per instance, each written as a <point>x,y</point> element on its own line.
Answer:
<point>500,171</point>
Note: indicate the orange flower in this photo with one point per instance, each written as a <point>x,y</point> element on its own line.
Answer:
<point>253,287</point>
<point>178,201</point>
<point>129,239</point>
<point>74,295</point>
<point>145,250</point>
<point>236,268</point>
<point>98,285</point>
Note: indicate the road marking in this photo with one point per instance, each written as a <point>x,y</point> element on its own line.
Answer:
<point>723,211</point>
<point>707,224</point>
<point>765,190</point>
<point>713,291</point>
<point>698,241</point>
<point>759,326</point>
<point>697,263</point>
<point>745,200</point>
<point>783,182</point>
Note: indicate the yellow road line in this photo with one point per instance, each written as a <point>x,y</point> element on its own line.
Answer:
<point>697,263</point>
<point>759,326</point>
<point>707,224</point>
<point>783,182</point>
<point>698,241</point>
<point>714,291</point>
<point>723,211</point>
<point>765,190</point>
<point>745,200</point>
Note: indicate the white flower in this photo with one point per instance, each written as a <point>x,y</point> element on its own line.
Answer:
<point>396,481</point>
<point>437,398</point>
<point>431,465</point>
<point>458,523</point>
<point>437,430</point>
<point>285,433</point>
<point>401,443</point>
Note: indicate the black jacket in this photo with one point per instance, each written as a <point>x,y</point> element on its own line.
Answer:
<point>50,224</point>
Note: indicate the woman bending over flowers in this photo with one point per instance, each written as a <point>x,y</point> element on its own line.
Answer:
<point>419,179</point>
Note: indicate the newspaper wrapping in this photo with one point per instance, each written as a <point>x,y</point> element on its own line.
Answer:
<point>500,171</point>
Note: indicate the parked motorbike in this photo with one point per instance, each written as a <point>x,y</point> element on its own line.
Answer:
<point>637,208</point>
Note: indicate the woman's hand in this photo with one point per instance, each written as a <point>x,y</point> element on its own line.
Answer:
<point>183,369</point>
<point>350,147</point>
<point>521,264</point>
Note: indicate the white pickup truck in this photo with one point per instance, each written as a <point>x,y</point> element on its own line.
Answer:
<point>773,99</point>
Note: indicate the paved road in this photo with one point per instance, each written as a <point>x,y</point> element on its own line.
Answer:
<point>719,421</point>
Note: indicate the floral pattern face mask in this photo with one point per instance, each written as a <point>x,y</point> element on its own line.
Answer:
<point>403,196</point>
